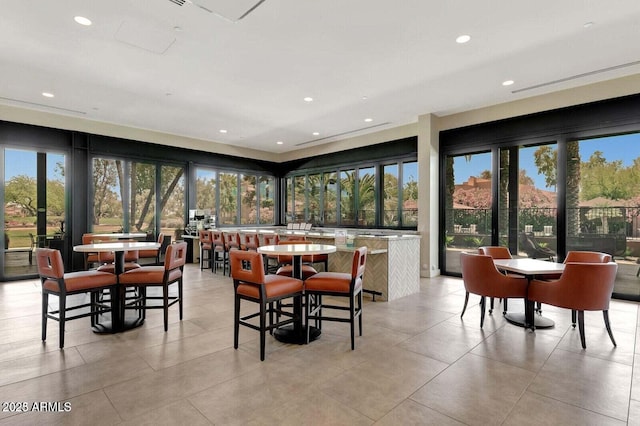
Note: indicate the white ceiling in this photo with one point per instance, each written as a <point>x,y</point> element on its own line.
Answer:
<point>152,64</point>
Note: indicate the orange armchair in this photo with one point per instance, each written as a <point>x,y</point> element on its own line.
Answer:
<point>287,262</point>
<point>581,287</point>
<point>252,285</point>
<point>56,282</point>
<point>480,276</point>
<point>337,284</point>
<point>158,276</point>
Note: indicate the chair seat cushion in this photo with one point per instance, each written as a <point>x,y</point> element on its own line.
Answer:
<point>274,286</point>
<point>111,268</point>
<point>148,275</point>
<point>287,270</point>
<point>337,282</point>
<point>205,246</point>
<point>83,280</point>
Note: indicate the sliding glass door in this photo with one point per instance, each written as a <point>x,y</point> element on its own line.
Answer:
<point>34,208</point>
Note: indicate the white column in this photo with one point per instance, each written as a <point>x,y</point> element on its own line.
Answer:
<point>428,171</point>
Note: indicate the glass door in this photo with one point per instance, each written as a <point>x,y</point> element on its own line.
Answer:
<point>468,199</point>
<point>34,208</point>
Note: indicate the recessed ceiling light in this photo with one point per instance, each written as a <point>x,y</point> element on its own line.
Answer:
<point>507,82</point>
<point>588,24</point>
<point>223,131</point>
<point>308,99</point>
<point>368,120</point>
<point>47,94</point>
<point>364,98</point>
<point>82,20</point>
<point>279,142</point>
<point>316,133</point>
<point>463,39</point>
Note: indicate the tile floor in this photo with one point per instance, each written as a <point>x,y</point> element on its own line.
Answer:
<point>417,363</point>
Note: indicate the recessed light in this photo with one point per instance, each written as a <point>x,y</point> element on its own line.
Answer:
<point>47,94</point>
<point>588,24</point>
<point>368,120</point>
<point>507,82</point>
<point>463,39</point>
<point>279,142</point>
<point>316,133</point>
<point>82,20</point>
<point>308,99</point>
<point>364,98</point>
<point>223,131</point>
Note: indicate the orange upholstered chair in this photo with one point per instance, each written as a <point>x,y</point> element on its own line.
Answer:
<point>286,262</point>
<point>581,287</point>
<point>252,285</point>
<point>220,253</point>
<point>337,284</point>
<point>270,240</point>
<point>158,276</point>
<point>581,257</point>
<point>251,241</point>
<point>206,247</point>
<point>56,282</point>
<point>89,258</point>
<point>153,253</point>
<point>480,276</point>
<point>233,241</point>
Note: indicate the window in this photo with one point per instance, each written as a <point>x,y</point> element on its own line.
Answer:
<point>172,199</point>
<point>266,200</point>
<point>108,195</point>
<point>367,196</point>
<point>330,196</point>
<point>248,200</point>
<point>410,194</point>
<point>228,199</point>
<point>348,197</point>
<point>390,212</point>
<point>314,198</point>
<point>206,189</point>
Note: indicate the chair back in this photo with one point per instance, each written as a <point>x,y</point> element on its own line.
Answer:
<point>87,238</point>
<point>581,287</point>
<point>205,236</point>
<point>587,257</point>
<point>358,264</point>
<point>233,240</point>
<point>50,264</point>
<point>247,266</point>
<point>217,239</point>
<point>251,241</point>
<point>175,256</point>
<point>480,276</point>
<point>270,239</point>
<point>296,238</point>
<point>496,252</point>
<point>160,238</point>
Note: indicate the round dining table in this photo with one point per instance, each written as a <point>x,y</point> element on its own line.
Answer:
<point>296,333</point>
<point>118,321</point>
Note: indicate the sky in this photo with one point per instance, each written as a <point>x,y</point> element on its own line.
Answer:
<point>19,162</point>
<point>624,147</point>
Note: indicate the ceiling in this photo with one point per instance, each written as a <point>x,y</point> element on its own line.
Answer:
<point>186,70</point>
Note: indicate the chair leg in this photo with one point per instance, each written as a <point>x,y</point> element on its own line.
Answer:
<point>180,297</point>
<point>63,308</point>
<point>236,322</point>
<point>573,318</point>
<point>360,310</point>
<point>307,307</point>
<point>581,329</point>
<point>165,306</point>
<point>504,306</point>
<point>539,308</point>
<point>483,302</point>
<point>605,314</point>
<point>352,315</point>
<point>466,300</point>
<point>45,304</point>
<point>263,326</point>
<point>491,306</point>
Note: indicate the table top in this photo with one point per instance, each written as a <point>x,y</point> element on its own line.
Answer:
<point>116,246</point>
<point>121,235</point>
<point>528,266</point>
<point>297,249</point>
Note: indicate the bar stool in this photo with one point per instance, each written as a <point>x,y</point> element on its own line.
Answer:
<point>269,260</point>
<point>205,247</point>
<point>55,281</point>
<point>337,284</point>
<point>220,253</point>
<point>251,241</point>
